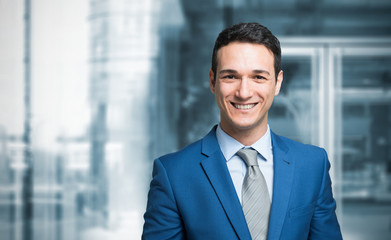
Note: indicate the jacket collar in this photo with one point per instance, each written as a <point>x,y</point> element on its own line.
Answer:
<point>283,178</point>
<point>216,170</point>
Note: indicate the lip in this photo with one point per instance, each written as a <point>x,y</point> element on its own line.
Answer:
<point>243,106</point>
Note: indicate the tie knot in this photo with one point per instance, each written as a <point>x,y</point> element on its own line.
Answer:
<point>249,155</point>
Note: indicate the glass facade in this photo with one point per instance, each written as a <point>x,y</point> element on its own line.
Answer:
<point>293,113</point>
<point>92,91</point>
<point>364,140</point>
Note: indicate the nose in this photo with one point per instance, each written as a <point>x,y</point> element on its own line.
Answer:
<point>244,90</point>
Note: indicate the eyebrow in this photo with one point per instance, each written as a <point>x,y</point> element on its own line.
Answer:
<point>228,71</point>
<point>261,71</point>
<point>234,71</point>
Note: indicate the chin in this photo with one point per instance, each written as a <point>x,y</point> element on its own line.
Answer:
<point>244,126</point>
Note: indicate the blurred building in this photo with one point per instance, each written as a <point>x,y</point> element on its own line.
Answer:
<point>117,83</point>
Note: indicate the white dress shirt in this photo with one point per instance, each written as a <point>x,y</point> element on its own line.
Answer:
<point>238,168</point>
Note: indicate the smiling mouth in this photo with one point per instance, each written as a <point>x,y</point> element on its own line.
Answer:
<point>243,106</point>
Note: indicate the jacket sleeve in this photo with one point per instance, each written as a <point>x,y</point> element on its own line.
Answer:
<point>162,218</point>
<point>324,223</point>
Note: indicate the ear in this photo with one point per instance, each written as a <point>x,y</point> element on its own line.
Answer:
<point>212,81</point>
<point>280,77</point>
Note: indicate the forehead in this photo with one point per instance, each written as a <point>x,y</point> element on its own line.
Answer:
<point>238,54</point>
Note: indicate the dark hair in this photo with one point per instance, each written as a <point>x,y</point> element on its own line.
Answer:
<point>248,33</point>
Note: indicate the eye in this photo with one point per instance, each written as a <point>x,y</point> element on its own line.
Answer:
<point>229,76</point>
<point>259,77</point>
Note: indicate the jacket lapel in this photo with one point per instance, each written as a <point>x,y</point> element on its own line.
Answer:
<point>283,176</point>
<point>216,170</point>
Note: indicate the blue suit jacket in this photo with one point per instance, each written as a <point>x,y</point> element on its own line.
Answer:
<point>192,195</point>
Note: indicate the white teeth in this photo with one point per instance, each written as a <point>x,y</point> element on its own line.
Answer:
<point>246,106</point>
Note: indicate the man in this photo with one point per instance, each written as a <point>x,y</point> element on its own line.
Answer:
<point>242,181</point>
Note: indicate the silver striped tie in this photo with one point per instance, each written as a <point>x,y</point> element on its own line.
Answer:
<point>255,196</point>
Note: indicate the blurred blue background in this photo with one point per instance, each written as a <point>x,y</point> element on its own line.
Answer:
<point>91,91</point>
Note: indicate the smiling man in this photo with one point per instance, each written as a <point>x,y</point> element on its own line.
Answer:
<point>245,84</point>
<point>242,181</point>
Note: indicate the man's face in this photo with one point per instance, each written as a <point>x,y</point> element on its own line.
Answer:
<point>244,87</point>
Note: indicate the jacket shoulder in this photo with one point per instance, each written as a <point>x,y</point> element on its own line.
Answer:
<point>189,153</point>
<point>299,147</point>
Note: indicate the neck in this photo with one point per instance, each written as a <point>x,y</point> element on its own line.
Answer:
<point>246,137</point>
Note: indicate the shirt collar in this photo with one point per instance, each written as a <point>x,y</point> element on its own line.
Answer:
<point>229,146</point>
<point>264,145</point>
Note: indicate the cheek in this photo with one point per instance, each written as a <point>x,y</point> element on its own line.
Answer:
<point>222,91</point>
<point>269,91</point>
<point>219,96</point>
